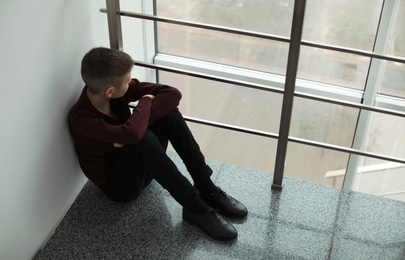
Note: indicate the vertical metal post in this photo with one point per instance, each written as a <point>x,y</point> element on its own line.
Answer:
<point>114,24</point>
<point>289,87</point>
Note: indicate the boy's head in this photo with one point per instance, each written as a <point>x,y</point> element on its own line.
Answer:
<point>103,67</point>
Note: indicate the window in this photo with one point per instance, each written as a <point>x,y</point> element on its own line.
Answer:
<point>346,75</point>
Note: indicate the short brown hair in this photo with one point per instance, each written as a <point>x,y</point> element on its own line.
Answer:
<point>103,67</point>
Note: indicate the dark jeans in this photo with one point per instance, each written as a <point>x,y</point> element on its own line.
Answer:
<point>137,164</point>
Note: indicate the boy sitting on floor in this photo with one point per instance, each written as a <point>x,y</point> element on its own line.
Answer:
<point>122,152</point>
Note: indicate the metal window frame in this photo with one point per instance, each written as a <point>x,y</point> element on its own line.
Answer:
<point>373,84</point>
<point>351,97</point>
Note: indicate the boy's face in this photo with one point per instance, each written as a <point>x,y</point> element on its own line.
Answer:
<point>120,91</point>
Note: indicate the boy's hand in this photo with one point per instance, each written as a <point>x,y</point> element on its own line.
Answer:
<point>149,96</point>
<point>117,145</point>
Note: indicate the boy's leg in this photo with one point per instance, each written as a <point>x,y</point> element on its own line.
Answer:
<point>137,164</point>
<point>147,158</point>
<point>127,178</point>
<point>172,127</point>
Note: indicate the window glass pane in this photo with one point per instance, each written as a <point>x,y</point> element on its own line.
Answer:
<point>382,178</point>
<point>246,150</point>
<point>333,67</point>
<point>393,79</point>
<point>230,49</point>
<point>323,122</point>
<point>270,16</point>
<point>234,105</point>
<point>351,24</point>
<point>394,72</point>
<point>315,164</point>
<point>385,136</point>
<point>226,103</point>
<point>344,23</point>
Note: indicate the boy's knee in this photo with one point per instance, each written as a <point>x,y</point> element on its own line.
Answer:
<point>174,113</point>
<point>149,137</point>
<point>151,141</point>
<point>174,116</point>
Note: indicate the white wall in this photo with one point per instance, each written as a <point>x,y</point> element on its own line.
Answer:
<point>41,46</point>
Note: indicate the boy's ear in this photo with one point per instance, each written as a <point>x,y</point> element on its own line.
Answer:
<point>108,92</point>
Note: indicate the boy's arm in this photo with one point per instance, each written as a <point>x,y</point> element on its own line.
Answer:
<point>89,125</point>
<point>166,97</point>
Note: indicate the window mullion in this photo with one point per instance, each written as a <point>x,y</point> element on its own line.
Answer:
<point>373,84</point>
<point>150,38</point>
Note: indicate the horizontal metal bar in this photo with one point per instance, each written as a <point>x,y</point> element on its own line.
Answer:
<point>231,127</point>
<point>209,77</point>
<point>202,26</point>
<point>225,126</point>
<point>345,149</point>
<point>259,35</point>
<point>291,139</point>
<point>271,89</point>
<point>353,51</point>
<point>350,104</point>
<point>295,140</point>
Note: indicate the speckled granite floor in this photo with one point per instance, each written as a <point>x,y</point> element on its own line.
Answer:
<point>304,221</point>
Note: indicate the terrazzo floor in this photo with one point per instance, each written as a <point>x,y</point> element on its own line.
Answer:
<point>303,221</point>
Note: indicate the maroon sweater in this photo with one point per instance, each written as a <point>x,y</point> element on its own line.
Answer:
<point>95,133</point>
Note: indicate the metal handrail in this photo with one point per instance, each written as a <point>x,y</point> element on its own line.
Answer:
<point>295,140</point>
<point>269,88</point>
<point>368,54</point>
<point>295,42</point>
<point>200,25</point>
<point>277,90</point>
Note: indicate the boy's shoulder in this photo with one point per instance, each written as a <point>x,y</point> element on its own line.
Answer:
<point>82,106</point>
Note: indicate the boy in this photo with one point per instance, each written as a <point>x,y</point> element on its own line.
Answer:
<point>122,152</point>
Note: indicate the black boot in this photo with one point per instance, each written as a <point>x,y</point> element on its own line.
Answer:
<point>225,204</point>
<point>212,224</point>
